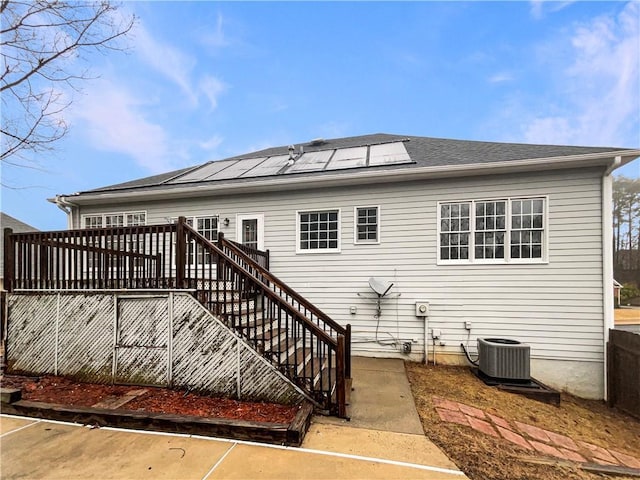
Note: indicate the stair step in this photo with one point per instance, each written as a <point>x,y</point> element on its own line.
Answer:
<point>311,368</point>
<point>269,334</point>
<point>323,380</point>
<point>257,323</point>
<point>284,348</point>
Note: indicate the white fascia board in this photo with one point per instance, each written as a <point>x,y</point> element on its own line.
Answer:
<point>294,182</point>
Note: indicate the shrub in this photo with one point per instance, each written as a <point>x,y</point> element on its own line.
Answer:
<point>629,291</point>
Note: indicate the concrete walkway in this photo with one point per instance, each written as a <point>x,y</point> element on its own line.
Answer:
<point>383,440</point>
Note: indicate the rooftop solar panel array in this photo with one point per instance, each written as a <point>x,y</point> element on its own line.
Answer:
<point>321,160</point>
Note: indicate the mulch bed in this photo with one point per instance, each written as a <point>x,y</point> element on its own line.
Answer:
<point>63,391</point>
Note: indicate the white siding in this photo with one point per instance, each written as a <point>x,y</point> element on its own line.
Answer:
<point>556,307</point>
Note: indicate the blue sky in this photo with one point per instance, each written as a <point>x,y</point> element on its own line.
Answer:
<point>207,80</point>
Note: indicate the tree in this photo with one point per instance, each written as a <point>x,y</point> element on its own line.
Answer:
<point>626,225</point>
<point>43,46</point>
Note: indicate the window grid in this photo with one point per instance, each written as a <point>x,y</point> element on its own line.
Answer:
<point>367,224</point>
<point>527,227</point>
<point>250,232</point>
<point>208,228</point>
<point>110,220</point>
<point>318,230</point>
<point>490,222</point>
<point>454,231</point>
<point>93,221</point>
<point>509,229</point>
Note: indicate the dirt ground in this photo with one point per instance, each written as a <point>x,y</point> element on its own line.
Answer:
<point>63,391</point>
<point>484,457</point>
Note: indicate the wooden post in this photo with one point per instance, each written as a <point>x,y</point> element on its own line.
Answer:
<point>341,394</point>
<point>9,259</point>
<point>181,252</point>
<point>220,273</point>
<point>267,260</point>
<point>347,352</point>
<point>611,383</point>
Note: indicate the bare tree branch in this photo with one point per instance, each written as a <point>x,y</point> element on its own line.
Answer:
<point>43,44</point>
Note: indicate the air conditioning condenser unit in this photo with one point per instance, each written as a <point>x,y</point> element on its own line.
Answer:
<point>504,358</point>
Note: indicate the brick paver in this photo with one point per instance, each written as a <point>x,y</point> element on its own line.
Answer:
<point>481,426</point>
<point>514,438</point>
<point>499,421</point>
<point>628,460</point>
<point>546,449</point>
<point>599,454</point>
<point>533,432</point>
<point>540,439</point>
<point>473,411</point>
<point>571,455</point>
<point>452,416</point>
<point>444,403</point>
<point>561,440</point>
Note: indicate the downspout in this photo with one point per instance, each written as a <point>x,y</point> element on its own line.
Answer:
<point>607,259</point>
<point>67,207</point>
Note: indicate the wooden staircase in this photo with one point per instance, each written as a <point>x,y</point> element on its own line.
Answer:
<point>290,351</point>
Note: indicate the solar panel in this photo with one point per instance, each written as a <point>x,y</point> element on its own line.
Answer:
<point>270,166</point>
<point>348,158</point>
<point>238,169</point>
<point>203,172</point>
<point>332,159</point>
<point>311,161</point>
<point>388,154</point>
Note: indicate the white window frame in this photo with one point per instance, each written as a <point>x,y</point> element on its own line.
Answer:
<point>507,244</point>
<point>103,216</point>
<point>356,240</point>
<point>194,224</point>
<point>320,251</point>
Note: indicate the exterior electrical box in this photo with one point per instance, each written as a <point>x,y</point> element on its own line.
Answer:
<point>422,309</point>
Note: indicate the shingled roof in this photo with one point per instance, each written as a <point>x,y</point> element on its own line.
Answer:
<point>422,152</point>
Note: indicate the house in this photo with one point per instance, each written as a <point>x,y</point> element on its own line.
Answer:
<point>7,221</point>
<point>469,240</point>
<point>617,288</point>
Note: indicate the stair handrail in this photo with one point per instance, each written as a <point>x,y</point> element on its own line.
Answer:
<point>195,235</point>
<point>282,285</point>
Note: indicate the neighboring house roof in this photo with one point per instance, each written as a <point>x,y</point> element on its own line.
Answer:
<point>7,221</point>
<point>363,156</point>
<point>617,284</point>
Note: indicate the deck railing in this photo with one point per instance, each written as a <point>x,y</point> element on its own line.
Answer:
<point>98,258</point>
<point>232,281</point>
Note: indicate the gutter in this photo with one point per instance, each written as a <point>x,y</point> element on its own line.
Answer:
<point>66,206</point>
<point>607,261</point>
<point>294,182</point>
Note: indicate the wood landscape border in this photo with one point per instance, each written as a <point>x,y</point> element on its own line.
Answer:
<point>290,434</point>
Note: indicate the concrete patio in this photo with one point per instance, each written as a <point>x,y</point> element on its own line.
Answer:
<point>384,439</point>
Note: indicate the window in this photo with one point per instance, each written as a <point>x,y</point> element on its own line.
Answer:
<point>250,232</point>
<point>492,231</point>
<point>208,228</point>
<point>319,231</point>
<point>527,220</point>
<point>367,224</point>
<point>124,219</point>
<point>454,225</point>
<point>490,221</point>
